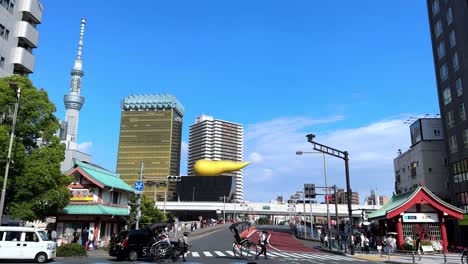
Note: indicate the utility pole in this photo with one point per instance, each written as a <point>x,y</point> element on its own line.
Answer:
<point>8,160</point>
<point>337,220</point>
<point>193,193</point>
<point>137,226</point>
<point>165,198</point>
<point>224,210</point>
<point>311,220</point>
<point>305,222</point>
<point>328,202</point>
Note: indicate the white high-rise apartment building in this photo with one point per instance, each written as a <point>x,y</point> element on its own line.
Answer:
<point>18,35</point>
<point>214,139</point>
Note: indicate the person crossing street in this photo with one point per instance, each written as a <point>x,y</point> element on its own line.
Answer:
<point>262,241</point>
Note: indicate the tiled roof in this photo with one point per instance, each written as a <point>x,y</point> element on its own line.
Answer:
<point>94,209</point>
<point>105,177</point>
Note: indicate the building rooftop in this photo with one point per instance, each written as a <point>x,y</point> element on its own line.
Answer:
<point>152,102</point>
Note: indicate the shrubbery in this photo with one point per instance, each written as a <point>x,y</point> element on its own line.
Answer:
<point>71,250</point>
<point>263,221</point>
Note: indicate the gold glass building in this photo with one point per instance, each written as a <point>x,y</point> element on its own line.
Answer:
<point>151,132</point>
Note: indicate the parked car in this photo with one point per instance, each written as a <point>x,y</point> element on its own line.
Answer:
<point>135,244</point>
<point>26,243</point>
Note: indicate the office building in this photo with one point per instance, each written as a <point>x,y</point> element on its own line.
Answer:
<point>18,35</point>
<point>342,197</point>
<point>375,199</point>
<point>425,162</point>
<point>214,139</point>
<point>151,132</point>
<point>448,22</point>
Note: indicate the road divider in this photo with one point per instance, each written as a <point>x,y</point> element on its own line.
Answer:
<point>247,233</point>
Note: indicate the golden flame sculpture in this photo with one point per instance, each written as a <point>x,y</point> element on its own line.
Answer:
<point>217,167</point>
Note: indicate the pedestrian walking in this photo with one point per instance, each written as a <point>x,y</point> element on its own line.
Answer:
<point>185,245</point>
<point>418,246</point>
<point>85,235</point>
<point>262,241</point>
<point>53,235</point>
<point>91,240</point>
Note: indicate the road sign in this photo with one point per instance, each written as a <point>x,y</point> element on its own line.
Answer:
<point>309,190</point>
<point>139,186</point>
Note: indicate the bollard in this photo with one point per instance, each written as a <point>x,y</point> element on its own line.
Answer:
<point>445,257</point>
<point>412,255</point>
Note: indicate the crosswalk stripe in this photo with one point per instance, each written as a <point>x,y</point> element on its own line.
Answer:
<point>219,253</point>
<point>207,253</point>
<point>230,253</point>
<point>278,254</point>
<point>195,254</point>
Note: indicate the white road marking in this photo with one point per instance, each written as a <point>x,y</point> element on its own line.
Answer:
<point>207,253</point>
<point>219,253</point>
<point>195,254</point>
<point>230,253</point>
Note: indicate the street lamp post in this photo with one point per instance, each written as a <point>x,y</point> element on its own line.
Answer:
<point>13,85</point>
<point>344,155</point>
<point>224,210</point>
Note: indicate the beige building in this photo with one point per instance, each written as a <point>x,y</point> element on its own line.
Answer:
<point>151,132</point>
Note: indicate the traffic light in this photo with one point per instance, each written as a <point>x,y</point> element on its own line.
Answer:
<point>309,191</point>
<point>174,178</point>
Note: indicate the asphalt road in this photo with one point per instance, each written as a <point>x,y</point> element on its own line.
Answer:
<point>216,247</point>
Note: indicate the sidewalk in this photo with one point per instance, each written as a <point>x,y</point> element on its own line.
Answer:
<point>426,259</point>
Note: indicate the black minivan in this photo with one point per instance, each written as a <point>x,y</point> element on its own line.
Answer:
<point>132,244</point>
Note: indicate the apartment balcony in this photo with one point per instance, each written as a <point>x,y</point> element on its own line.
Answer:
<point>32,9</point>
<point>28,33</point>
<point>23,59</point>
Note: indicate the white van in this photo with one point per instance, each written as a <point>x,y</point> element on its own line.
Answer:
<point>26,243</point>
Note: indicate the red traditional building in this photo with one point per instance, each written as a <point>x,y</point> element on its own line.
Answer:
<point>419,212</point>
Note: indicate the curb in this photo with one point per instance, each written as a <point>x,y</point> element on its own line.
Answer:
<point>217,227</point>
<point>247,232</point>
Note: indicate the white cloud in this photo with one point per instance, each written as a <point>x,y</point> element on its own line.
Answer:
<point>371,148</point>
<point>255,157</point>
<point>85,147</point>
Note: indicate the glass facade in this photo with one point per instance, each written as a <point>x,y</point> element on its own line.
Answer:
<point>154,137</point>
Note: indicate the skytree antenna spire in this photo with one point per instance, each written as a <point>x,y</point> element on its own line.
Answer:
<point>74,101</point>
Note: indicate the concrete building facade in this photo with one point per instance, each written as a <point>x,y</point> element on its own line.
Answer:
<point>448,21</point>
<point>151,132</point>
<point>342,197</point>
<point>215,139</point>
<point>18,35</point>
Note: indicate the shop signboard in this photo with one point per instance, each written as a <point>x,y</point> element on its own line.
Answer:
<point>81,195</point>
<point>420,218</point>
<point>266,207</point>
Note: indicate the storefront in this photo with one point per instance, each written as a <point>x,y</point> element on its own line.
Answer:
<point>419,212</point>
<point>98,202</point>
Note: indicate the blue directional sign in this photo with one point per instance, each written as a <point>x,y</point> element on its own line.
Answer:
<point>139,186</point>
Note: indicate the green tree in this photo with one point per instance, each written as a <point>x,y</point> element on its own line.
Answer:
<point>263,221</point>
<point>35,186</point>
<point>149,213</point>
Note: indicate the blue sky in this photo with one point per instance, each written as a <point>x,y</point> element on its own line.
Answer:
<point>349,71</point>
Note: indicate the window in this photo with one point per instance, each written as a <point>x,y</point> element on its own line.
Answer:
<point>31,237</point>
<point>453,41</point>
<point>443,72</point>
<point>2,30</point>
<point>447,96</point>
<point>2,62</point>
<point>13,236</point>
<point>7,34</point>
<point>465,138</point>
<point>459,87</point>
<point>115,197</point>
<point>435,7</point>
<point>441,50</point>
<point>453,144</point>
<point>1,235</point>
<point>438,29</point>
<point>10,8</point>
<point>461,111</point>
<point>449,16</point>
<point>455,63</point>
<point>450,121</point>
